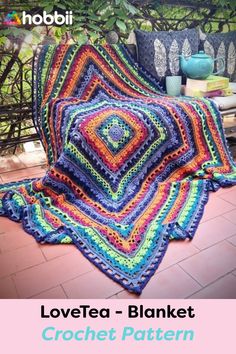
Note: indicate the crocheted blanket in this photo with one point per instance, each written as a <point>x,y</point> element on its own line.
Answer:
<point>130,168</point>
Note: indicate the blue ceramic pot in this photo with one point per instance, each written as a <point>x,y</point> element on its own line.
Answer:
<point>200,66</point>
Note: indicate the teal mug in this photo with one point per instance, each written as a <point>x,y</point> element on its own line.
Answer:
<point>173,85</point>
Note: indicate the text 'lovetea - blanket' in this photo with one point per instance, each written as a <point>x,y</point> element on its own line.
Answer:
<point>130,167</point>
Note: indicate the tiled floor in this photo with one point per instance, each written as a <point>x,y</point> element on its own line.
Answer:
<point>202,268</point>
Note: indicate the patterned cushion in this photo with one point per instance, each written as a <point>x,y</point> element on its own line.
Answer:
<point>159,52</point>
<point>222,45</point>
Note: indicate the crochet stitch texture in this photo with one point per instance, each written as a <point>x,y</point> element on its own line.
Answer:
<point>130,168</point>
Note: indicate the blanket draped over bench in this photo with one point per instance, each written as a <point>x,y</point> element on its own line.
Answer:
<point>130,168</point>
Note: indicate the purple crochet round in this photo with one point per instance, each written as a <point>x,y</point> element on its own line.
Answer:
<point>116,132</point>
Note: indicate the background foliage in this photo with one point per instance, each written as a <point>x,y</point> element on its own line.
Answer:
<point>93,19</point>
<point>93,22</point>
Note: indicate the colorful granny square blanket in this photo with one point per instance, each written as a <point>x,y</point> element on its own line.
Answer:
<point>130,168</point>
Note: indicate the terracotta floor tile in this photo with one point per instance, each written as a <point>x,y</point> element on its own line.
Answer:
<point>166,284</point>
<point>53,251</point>
<point>40,279</point>
<point>176,252</point>
<point>212,263</point>
<point>7,225</point>
<point>55,293</point>
<point>215,207</point>
<point>230,196</point>
<point>51,274</point>
<point>32,158</point>
<point>91,286</point>
<point>10,163</point>
<point>213,231</point>
<point>113,297</point>
<point>170,283</point>
<point>221,191</point>
<point>14,238</point>
<point>30,172</point>
<point>224,288</point>
<point>226,190</point>
<point>7,289</point>
<point>127,295</point>
<point>232,240</point>
<point>231,216</point>
<point>19,259</point>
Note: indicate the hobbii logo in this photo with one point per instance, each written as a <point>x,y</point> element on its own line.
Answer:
<point>48,19</point>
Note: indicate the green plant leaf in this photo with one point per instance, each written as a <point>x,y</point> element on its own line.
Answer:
<point>44,3</point>
<point>94,36</point>
<point>133,10</point>
<point>5,32</point>
<point>61,6</point>
<point>93,17</point>
<point>77,25</point>
<point>100,5</point>
<point>36,34</point>
<point>94,27</point>
<point>121,25</point>
<point>79,18</point>
<point>107,14</point>
<point>82,38</point>
<point>109,24</point>
<point>121,14</point>
<point>49,8</point>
